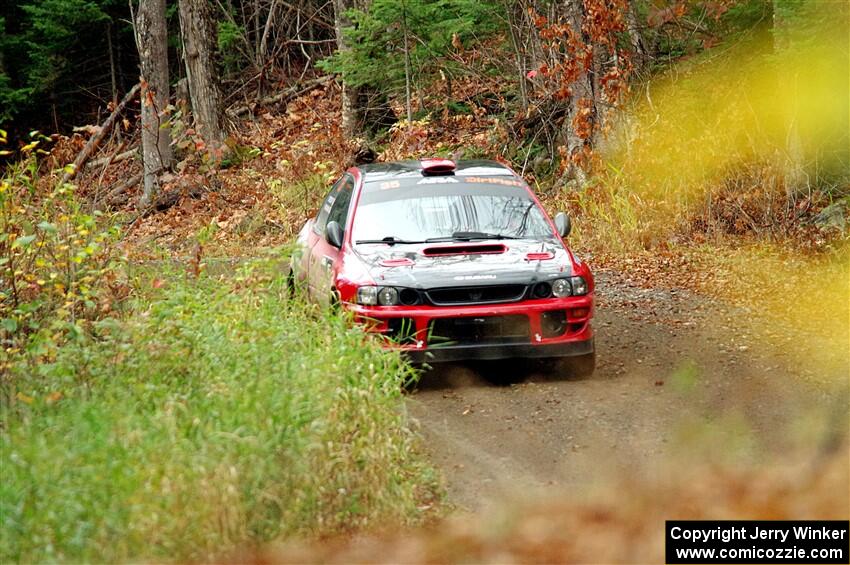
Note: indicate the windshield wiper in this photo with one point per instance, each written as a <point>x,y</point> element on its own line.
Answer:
<point>471,235</point>
<point>389,240</point>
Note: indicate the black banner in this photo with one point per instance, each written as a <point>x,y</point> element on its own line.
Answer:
<point>744,541</point>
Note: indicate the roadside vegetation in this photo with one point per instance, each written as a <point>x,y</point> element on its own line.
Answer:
<point>159,412</point>
<point>154,405</point>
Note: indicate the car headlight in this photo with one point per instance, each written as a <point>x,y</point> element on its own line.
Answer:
<point>579,286</point>
<point>573,286</point>
<point>377,295</point>
<point>367,295</point>
<point>561,288</point>
<point>388,296</point>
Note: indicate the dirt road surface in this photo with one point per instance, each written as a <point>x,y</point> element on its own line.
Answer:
<point>679,380</point>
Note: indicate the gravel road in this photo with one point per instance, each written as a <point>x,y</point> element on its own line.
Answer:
<point>679,380</point>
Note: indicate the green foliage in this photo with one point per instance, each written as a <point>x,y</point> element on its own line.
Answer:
<point>55,58</point>
<point>11,97</point>
<point>377,39</point>
<point>56,265</point>
<point>55,27</point>
<point>229,37</point>
<point>223,413</point>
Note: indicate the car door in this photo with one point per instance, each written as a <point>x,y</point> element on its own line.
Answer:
<point>323,255</point>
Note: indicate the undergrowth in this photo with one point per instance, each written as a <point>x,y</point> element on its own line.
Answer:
<point>220,413</point>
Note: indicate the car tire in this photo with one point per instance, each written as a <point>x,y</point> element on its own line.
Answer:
<point>290,284</point>
<point>578,367</point>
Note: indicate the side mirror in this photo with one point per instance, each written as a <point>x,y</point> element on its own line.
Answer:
<point>334,233</point>
<point>563,224</point>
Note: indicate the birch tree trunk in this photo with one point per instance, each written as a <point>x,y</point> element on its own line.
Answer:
<point>152,43</point>
<point>198,34</point>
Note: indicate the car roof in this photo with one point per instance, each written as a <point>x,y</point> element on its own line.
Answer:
<point>406,169</point>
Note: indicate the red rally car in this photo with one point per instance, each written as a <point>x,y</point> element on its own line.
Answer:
<point>451,262</point>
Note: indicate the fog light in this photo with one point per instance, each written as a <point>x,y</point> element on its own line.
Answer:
<point>553,323</point>
<point>579,286</point>
<point>388,296</point>
<point>367,295</point>
<point>561,288</point>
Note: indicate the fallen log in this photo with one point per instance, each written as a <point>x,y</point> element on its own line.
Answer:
<point>284,96</point>
<point>114,158</point>
<point>117,195</point>
<point>95,140</point>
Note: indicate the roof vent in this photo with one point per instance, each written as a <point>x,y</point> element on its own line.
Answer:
<point>431,167</point>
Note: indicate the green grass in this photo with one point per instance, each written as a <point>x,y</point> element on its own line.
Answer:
<point>220,414</point>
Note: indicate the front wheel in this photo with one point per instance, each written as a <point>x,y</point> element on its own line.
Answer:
<point>578,367</point>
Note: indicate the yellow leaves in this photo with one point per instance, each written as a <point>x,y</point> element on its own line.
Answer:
<point>26,399</point>
<point>30,146</point>
<point>51,398</point>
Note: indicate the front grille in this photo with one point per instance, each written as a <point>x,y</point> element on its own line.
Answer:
<point>476,294</point>
<point>512,328</point>
<point>401,330</point>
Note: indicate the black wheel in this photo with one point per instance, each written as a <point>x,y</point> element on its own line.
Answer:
<point>578,367</point>
<point>334,301</point>
<point>290,284</point>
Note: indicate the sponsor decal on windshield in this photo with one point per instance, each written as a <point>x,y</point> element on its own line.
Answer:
<point>494,180</point>
<point>438,180</point>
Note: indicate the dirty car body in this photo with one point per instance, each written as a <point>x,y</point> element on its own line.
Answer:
<point>450,262</point>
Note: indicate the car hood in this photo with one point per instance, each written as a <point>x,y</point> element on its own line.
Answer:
<point>438,265</point>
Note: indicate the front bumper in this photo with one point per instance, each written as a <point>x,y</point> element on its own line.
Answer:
<point>538,342</point>
<point>490,352</point>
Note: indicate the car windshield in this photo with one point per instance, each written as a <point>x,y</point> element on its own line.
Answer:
<point>420,210</point>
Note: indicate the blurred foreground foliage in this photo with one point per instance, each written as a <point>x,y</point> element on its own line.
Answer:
<point>747,139</point>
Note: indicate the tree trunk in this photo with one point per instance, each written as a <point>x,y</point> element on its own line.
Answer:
<point>151,41</point>
<point>640,51</point>
<point>198,34</point>
<point>582,103</point>
<point>352,114</point>
<point>407,104</point>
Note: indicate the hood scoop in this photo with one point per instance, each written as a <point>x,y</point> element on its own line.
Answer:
<point>467,249</point>
<point>397,262</point>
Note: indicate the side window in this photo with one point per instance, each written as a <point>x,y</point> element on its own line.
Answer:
<point>336,190</point>
<point>339,210</point>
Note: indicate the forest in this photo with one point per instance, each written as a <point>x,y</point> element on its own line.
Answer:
<point>167,395</point>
